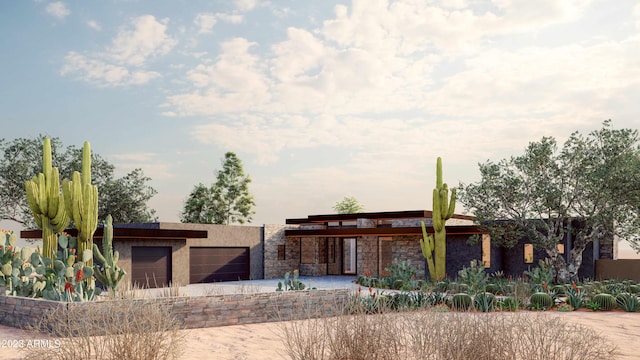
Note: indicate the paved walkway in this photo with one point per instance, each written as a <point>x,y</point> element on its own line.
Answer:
<point>268,285</point>
<point>251,286</point>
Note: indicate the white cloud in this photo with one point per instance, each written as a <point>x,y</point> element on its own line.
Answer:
<point>57,9</point>
<point>206,21</point>
<point>636,14</point>
<point>234,82</point>
<point>147,37</point>
<point>418,76</point>
<point>246,5</point>
<point>104,74</point>
<point>94,25</point>
<point>124,61</point>
<point>231,18</point>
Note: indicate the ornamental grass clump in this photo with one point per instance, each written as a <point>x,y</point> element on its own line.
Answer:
<point>433,335</point>
<point>115,329</point>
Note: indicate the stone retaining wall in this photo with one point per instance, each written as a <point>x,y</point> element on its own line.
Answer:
<point>202,311</point>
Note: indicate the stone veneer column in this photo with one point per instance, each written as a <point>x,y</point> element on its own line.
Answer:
<point>274,236</point>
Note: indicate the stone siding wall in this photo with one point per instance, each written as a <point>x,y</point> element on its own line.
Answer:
<point>367,258</point>
<point>408,248</point>
<point>202,311</point>
<point>274,236</point>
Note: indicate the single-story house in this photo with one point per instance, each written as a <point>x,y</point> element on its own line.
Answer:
<point>353,244</point>
<point>157,254</point>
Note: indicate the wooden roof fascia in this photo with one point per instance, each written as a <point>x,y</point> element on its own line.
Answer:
<point>384,231</point>
<point>386,215</point>
<point>138,233</point>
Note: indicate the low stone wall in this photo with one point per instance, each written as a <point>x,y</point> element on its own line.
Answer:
<point>202,311</point>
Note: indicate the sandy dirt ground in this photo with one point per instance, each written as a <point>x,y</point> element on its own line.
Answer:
<point>262,341</point>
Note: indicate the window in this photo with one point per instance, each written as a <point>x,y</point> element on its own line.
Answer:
<point>349,224</point>
<point>561,248</point>
<point>486,250</point>
<point>528,253</point>
<point>331,249</point>
<point>281,252</point>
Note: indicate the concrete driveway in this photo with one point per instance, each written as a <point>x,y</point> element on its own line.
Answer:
<point>269,285</point>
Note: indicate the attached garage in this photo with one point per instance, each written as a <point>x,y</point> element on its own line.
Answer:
<point>211,264</point>
<point>151,266</point>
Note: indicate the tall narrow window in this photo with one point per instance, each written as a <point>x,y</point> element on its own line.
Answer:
<point>349,256</point>
<point>528,253</point>
<point>281,252</point>
<point>486,250</point>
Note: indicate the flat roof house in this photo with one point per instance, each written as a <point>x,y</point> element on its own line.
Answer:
<point>157,254</point>
<point>351,244</point>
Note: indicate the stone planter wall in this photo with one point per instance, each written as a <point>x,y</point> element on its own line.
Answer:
<point>202,311</point>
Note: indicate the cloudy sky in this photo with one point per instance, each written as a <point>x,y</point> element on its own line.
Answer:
<point>320,99</point>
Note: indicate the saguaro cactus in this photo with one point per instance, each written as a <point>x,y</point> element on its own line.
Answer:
<point>46,202</point>
<point>81,200</point>
<point>434,246</point>
<point>108,273</point>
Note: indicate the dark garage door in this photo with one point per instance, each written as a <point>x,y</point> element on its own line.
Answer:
<point>151,266</point>
<point>210,264</point>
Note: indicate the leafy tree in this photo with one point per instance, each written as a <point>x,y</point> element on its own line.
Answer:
<point>199,206</point>
<point>348,205</point>
<point>225,202</point>
<point>593,180</point>
<point>125,198</point>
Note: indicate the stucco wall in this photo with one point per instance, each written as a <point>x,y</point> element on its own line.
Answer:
<point>218,236</point>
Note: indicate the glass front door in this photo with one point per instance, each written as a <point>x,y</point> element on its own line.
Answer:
<point>349,256</point>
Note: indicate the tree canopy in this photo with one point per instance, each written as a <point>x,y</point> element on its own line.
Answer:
<point>125,198</point>
<point>593,179</point>
<point>348,205</point>
<point>226,201</point>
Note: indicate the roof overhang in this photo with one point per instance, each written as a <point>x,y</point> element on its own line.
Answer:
<point>386,215</point>
<point>131,233</point>
<point>382,231</point>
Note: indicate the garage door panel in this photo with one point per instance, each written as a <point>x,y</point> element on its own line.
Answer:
<point>150,266</point>
<point>211,264</point>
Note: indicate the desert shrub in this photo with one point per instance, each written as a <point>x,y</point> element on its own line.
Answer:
<point>435,335</point>
<point>117,329</point>
<point>510,304</point>
<point>402,275</point>
<point>474,276</point>
<point>540,276</point>
<point>575,296</point>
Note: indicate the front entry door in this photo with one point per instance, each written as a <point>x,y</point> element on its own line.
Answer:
<point>349,256</point>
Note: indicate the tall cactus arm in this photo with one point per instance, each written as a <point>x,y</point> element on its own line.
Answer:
<point>81,200</point>
<point>108,273</point>
<point>46,203</point>
<point>452,204</point>
<point>434,246</point>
